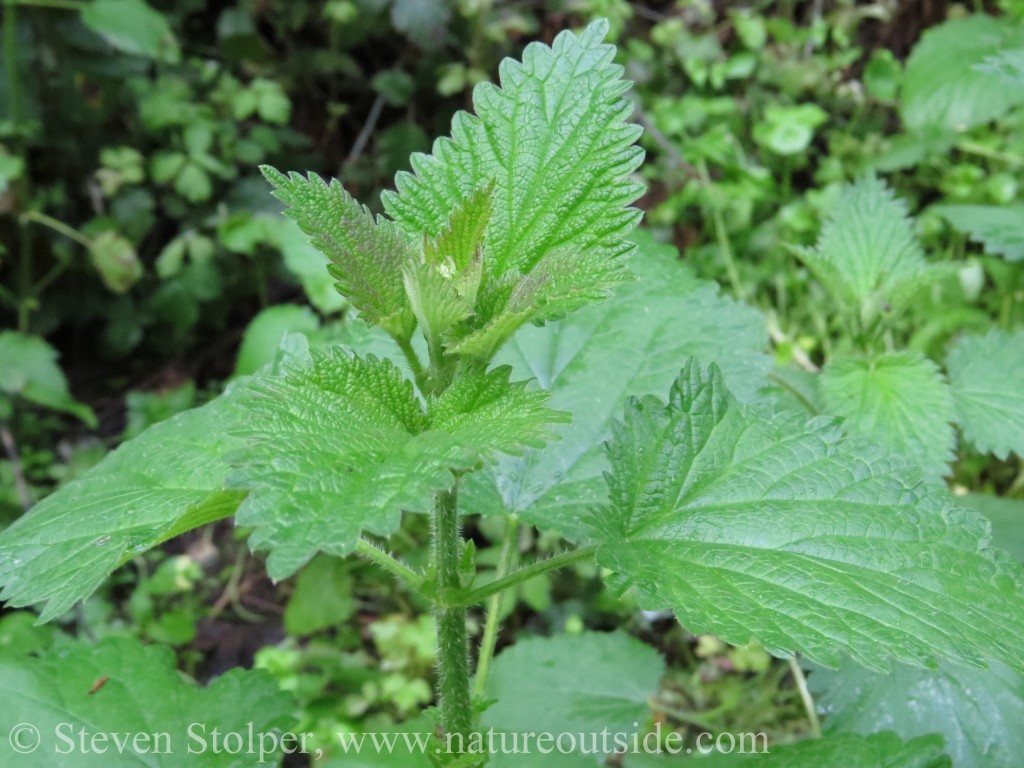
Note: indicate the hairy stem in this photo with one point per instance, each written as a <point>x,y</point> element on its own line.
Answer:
<point>452,642</point>
<point>495,605</point>
<point>413,360</point>
<point>525,574</point>
<point>389,563</point>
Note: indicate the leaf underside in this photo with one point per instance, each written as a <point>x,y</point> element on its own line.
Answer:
<point>754,527</point>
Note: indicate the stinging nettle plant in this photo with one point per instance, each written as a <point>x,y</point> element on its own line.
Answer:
<point>507,332</point>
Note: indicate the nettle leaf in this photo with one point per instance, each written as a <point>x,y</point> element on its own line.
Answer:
<point>589,683</point>
<point>987,377</point>
<point>770,528</point>
<point>459,243</point>
<point>563,281</point>
<point>487,412</point>
<point>342,445</point>
<point>898,400</point>
<point>367,255</point>
<point>868,256</point>
<point>143,694</point>
<point>1000,228</point>
<point>167,481</point>
<point>978,712</point>
<point>554,145</point>
<point>880,750</point>
<point>443,285</point>
<point>653,324</point>
<point>943,85</point>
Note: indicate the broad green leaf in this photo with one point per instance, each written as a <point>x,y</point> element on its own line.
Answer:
<point>1006,517</point>
<point>133,27</point>
<point>880,750</point>
<point>309,265</point>
<point>789,130</point>
<point>167,481</point>
<point>265,331</point>
<point>898,400</point>
<point>987,377</point>
<point>653,325</point>
<point>29,369</point>
<point>978,712</point>
<point>554,141</point>
<point>1006,65</point>
<point>780,530</point>
<point>487,412</point>
<point>322,598</point>
<point>115,259</point>
<point>367,255</point>
<point>1000,228</point>
<point>143,693</point>
<point>942,84</point>
<point>554,145</point>
<point>341,445</point>
<point>588,683</point>
<point>868,255</point>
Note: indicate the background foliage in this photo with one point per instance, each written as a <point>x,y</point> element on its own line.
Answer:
<point>850,170</point>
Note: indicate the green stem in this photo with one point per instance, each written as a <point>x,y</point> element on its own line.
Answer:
<point>452,642</point>
<point>805,696</point>
<point>974,148</point>
<point>391,564</point>
<point>722,234</point>
<point>29,292</point>
<point>57,226</point>
<point>413,360</point>
<point>495,605</point>
<point>529,572</point>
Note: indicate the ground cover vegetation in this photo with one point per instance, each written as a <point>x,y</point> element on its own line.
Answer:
<point>684,371</point>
